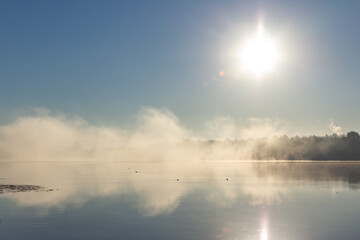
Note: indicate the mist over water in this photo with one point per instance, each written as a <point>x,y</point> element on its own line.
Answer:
<point>163,174</point>
<point>159,136</point>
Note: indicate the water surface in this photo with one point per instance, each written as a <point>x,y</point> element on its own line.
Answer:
<point>181,200</point>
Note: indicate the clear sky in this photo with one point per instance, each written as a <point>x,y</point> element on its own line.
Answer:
<point>105,60</point>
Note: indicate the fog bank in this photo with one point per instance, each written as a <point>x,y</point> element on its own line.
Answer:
<point>159,136</point>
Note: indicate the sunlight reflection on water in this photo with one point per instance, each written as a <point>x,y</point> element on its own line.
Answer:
<point>276,200</point>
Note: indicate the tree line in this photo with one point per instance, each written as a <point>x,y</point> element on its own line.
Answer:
<point>329,147</point>
<point>333,147</point>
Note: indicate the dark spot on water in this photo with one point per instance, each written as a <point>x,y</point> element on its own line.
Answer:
<point>11,188</point>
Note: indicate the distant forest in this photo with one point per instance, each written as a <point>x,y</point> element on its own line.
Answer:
<point>330,147</point>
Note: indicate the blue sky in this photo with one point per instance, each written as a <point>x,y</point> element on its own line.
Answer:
<point>105,60</point>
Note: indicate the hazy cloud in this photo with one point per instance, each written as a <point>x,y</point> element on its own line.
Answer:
<point>263,127</point>
<point>158,135</point>
<point>334,129</point>
<point>221,128</point>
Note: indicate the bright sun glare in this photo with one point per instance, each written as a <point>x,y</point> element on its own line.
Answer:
<point>259,54</point>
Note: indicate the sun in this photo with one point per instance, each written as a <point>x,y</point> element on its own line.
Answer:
<point>259,54</point>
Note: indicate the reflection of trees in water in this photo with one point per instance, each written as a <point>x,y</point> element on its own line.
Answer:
<point>312,171</point>
<point>156,188</point>
<point>332,147</point>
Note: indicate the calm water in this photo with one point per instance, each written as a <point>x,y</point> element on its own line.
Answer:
<point>180,200</point>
